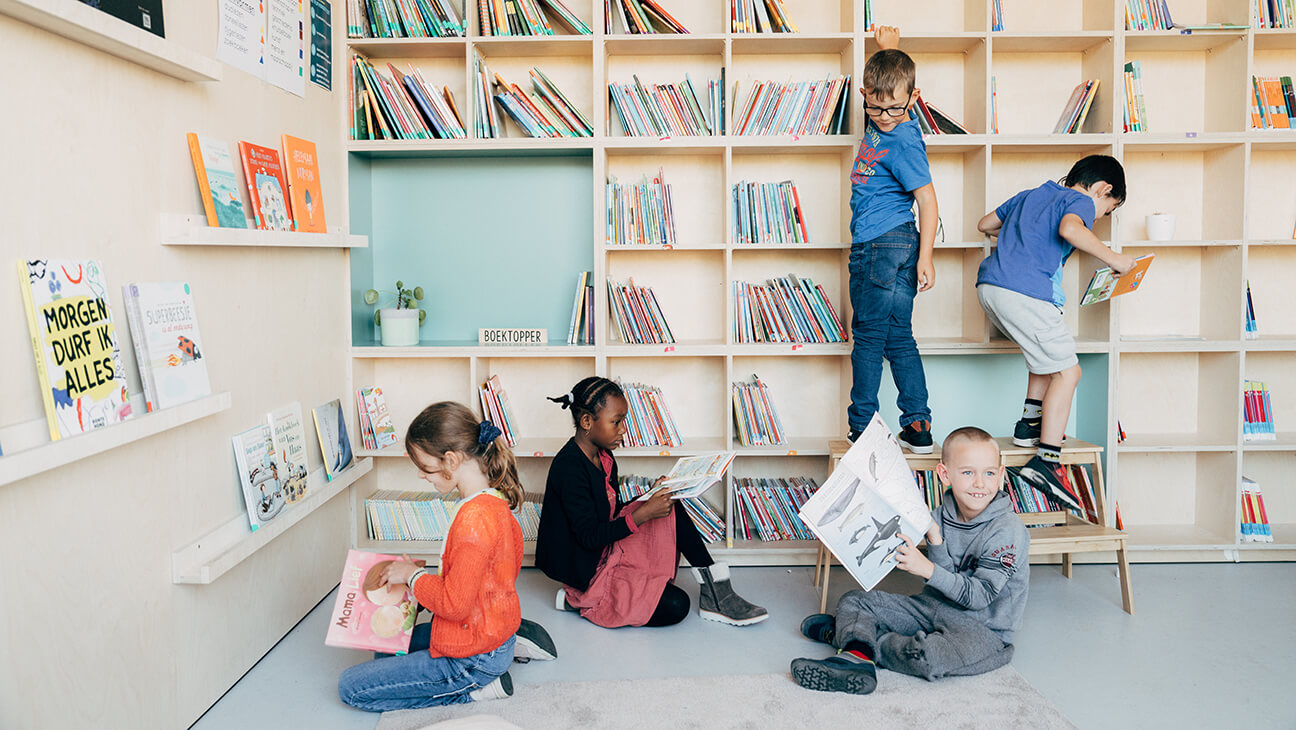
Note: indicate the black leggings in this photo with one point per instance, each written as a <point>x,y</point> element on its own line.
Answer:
<point>673,606</point>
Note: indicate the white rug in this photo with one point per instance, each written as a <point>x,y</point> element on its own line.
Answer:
<point>1000,699</point>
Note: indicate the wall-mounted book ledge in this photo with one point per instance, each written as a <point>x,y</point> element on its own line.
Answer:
<point>86,25</point>
<point>233,542</point>
<point>27,460</point>
<point>192,230</point>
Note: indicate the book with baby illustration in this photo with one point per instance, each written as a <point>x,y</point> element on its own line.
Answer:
<point>369,614</point>
<point>867,502</point>
<point>693,475</point>
<point>1106,284</point>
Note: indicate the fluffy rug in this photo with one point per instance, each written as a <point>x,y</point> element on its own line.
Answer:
<point>999,699</point>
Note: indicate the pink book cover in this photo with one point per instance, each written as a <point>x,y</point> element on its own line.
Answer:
<point>366,616</point>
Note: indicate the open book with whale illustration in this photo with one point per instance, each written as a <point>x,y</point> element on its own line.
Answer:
<point>868,500</point>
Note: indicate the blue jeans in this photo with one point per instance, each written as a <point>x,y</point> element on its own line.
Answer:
<point>883,284</point>
<point>419,679</point>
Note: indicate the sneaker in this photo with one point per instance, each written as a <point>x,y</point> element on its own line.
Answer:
<point>533,642</point>
<point>1051,479</point>
<point>917,437</point>
<point>560,601</point>
<point>499,689</point>
<point>853,434</point>
<point>717,600</point>
<point>835,674</point>
<point>1027,432</point>
<point>819,627</point>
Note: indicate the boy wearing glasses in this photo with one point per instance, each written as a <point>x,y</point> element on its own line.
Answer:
<point>890,258</point>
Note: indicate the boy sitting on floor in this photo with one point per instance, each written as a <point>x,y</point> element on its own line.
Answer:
<point>977,578</point>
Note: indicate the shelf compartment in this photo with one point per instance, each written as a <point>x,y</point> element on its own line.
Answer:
<point>809,394</point>
<point>950,309</point>
<point>1278,371</point>
<point>568,65</point>
<point>372,350</point>
<point>1217,73</point>
<point>812,17</point>
<point>192,230</point>
<point>937,16</point>
<point>695,390</point>
<point>403,48</point>
<point>964,172</point>
<point>1188,293</point>
<point>822,188</point>
<point>826,268</point>
<point>1268,39</point>
<point>701,61</point>
<point>1270,206</point>
<point>1271,271</point>
<point>1028,16</point>
<point>410,385</point>
<point>529,383</point>
<point>513,147</point>
<point>1035,78</point>
<point>790,43</point>
<point>698,192</point>
<point>746,69</point>
<point>1273,472</point>
<point>1186,396</point>
<point>1179,498</point>
<point>1203,188</point>
<point>1014,169</point>
<point>689,286</point>
<point>583,9</point>
<point>955,81</point>
<point>573,46</point>
<point>1179,41</point>
<point>1049,42</point>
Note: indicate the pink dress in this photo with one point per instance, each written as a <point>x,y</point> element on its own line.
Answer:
<point>634,570</point>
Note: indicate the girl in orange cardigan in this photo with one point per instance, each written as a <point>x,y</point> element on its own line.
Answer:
<point>463,655</point>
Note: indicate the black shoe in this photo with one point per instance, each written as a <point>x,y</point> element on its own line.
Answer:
<point>533,642</point>
<point>819,627</point>
<point>835,674</point>
<point>1050,478</point>
<point>853,434</point>
<point>917,437</point>
<point>1027,432</point>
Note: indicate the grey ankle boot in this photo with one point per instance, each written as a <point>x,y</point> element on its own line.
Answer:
<point>718,602</point>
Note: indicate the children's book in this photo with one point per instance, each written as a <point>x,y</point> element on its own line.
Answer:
<point>335,444</point>
<point>304,185</point>
<point>378,419</point>
<point>1106,284</point>
<point>217,182</point>
<point>289,437</point>
<point>259,475</point>
<point>693,475</point>
<point>168,347</point>
<point>78,365</point>
<point>367,614</point>
<point>867,502</point>
<point>267,187</point>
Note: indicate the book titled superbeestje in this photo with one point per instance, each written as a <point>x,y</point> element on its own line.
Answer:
<point>259,474</point>
<point>168,347</point>
<point>289,436</point>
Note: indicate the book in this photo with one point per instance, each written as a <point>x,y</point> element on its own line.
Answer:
<point>217,183</point>
<point>637,318</point>
<point>708,522</point>
<point>767,213</point>
<point>289,438</point>
<point>693,475</point>
<point>649,421</point>
<point>375,422</point>
<point>304,190</point>
<point>640,214</point>
<point>143,14</point>
<point>267,187</point>
<point>767,508</point>
<point>1252,329</point>
<point>78,363</point>
<point>259,475</point>
<point>755,420</point>
<point>866,503</point>
<point>369,614</point>
<point>495,408</point>
<point>410,515</point>
<point>168,345</point>
<point>1106,284</point>
<point>1257,412</point>
<point>1077,109</point>
<point>335,444</point>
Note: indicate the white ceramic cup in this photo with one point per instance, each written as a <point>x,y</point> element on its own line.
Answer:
<point>1160,226</point>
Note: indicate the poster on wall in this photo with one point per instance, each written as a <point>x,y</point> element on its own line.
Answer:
<point>321,63</point>
<point>286,45</point>
<point>240,40</point>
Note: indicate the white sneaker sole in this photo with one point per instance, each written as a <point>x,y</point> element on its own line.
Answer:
<point>1026,443</point>
<point>560,600</point>
<point>918,449</point>
<point>721,618</point>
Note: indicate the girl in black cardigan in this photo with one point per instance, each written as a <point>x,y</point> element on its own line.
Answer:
<point>617,562</point>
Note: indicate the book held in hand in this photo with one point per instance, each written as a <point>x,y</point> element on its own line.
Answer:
<point>693,475</point>
<point>1106,283</point>
<point>369,614</point>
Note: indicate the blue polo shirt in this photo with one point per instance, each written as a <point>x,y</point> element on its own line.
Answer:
<point>888,168</point>
<point>1031,254</point>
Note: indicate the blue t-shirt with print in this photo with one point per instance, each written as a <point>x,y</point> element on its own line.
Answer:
<point>1031,254</point>
<point>889,167</point>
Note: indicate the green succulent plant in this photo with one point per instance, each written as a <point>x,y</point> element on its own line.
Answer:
<point>404,298</point>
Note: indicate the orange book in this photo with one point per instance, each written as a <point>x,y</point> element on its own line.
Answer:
<point>1105,284</point>
<point>1277,107</point>
<point>302,166</point>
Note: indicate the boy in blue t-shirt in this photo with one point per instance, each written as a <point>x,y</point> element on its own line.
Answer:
<point>890,260</point>
<point>1020,288</point>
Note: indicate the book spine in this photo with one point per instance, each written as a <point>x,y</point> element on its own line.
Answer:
<point>38,349</point>
<point>139,341</point>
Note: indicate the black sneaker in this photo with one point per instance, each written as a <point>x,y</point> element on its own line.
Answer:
<point>1027,432</point>
<point>819,627</point>
<point>533,643</point>
<point>917,437</point>
<point>853,434</point>
<point>835,674</point>
<point>1050,478</point>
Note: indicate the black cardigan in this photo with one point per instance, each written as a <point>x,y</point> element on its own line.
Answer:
<point>574,524</point>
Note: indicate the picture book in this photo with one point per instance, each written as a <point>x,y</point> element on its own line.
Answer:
<point>289,436</point>
<point>259,475</point>
<point>302,167</point>
<point>267,187</point>
<point>335,444</point>
<point>369,614</point>
<point>168,347</point>
<point>217,182</point>
<point>1106,284</point>
<point>693,475</point>
<point>377,419</point>
<point>867,502</point>
<point>82,381</point>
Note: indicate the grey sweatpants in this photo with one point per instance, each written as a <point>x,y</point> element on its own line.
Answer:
<point>918,637</point>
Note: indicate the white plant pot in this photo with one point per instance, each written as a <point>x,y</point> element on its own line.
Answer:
<point>399,327</point>
<point>1160,227</point>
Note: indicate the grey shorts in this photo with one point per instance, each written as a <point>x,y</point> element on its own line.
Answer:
<point>1034,324</point>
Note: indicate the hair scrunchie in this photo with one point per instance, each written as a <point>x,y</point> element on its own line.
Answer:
<point>487,432</point>
<point>566,401</point>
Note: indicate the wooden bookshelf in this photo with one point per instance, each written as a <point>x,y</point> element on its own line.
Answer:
<point>1174,355</point>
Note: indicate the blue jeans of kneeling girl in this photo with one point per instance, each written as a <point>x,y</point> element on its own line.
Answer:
<point>883,284</point>
<point>419,679</point>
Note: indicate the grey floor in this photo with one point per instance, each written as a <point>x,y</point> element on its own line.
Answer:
<point>1210,646</point>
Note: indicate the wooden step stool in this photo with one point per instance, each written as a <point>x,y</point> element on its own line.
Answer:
<point>1051,533</point>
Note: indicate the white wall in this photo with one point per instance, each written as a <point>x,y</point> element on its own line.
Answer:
<point>92,631</point>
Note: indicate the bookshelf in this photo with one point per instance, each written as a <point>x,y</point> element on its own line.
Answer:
<point>192,230</point>
<point>1168,362</point>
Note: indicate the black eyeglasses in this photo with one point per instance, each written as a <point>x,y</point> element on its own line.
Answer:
<point>890,111</point>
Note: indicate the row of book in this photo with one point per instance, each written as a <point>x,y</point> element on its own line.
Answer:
<point>285,192</point>
<point>524,17</point>
<point>1255,518</point>
<point>1026,499</point>
<point>1135,111</point>
<point>495,408</point>
<point>1275,102</point>
<point>1252,331</point>
<point>767,213</point>
<point>786,309</point>
<point>640,214</point>
<point>637,317</point>
<point>1147,15</point>
<point>760,16</point>
<point>1077,108</point>
<point>707,521</point>
<point>376,429</point>
<point>755,418</point>
<point>581,330</point>
<point>796,108</point>
<point>934,121</point>
<point>668,110</point>
<point>639,17</point>
<point>1257,412</point>
<point>649,422</point>
<point>394,514</point>
<point>766,508</point>
<point>1274,13</point>
<point>996,15</point>
<point>545,112</point>
<point>404,19</point>
<point>400,105</point>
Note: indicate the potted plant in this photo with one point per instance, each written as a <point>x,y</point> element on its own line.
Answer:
<point>399,324</point>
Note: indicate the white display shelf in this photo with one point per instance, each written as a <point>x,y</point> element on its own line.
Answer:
<point>34,459</point>
<point>192,230</point>
<point>233,542</point>
<point>91,27</point>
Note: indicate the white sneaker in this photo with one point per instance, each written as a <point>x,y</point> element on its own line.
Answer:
<point>499,689</point>
<point>560,601</point>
